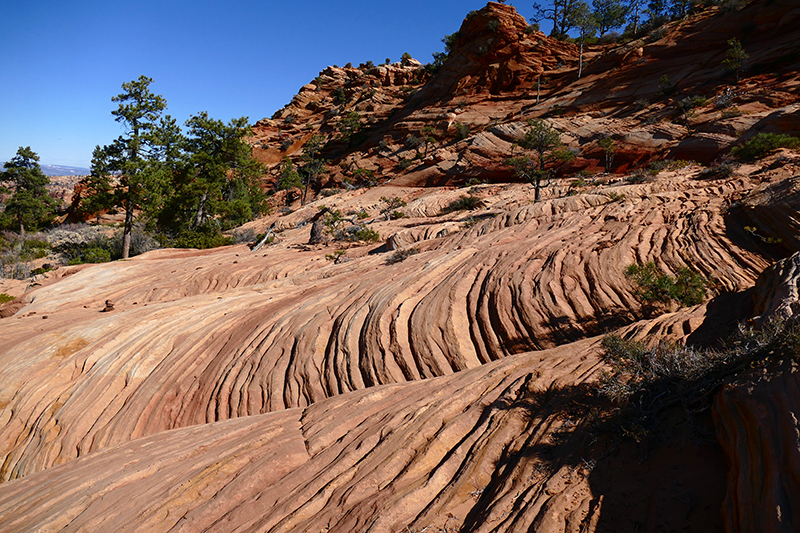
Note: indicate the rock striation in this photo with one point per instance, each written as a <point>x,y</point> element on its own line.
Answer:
<point>439,379</point>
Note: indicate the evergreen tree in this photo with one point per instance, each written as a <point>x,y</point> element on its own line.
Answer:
<point>31,206</point>
<point>217,180</point>
<point>545,140</point>
<point>735,57</point>
<point>635,11</point>
<point>608,14</point>
<point>657,9</point>
<point>562,13</point>
<point>313,164</point>
<point>586,24</point>
<point>135,168</point>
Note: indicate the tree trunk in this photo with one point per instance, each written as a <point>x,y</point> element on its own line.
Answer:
<point>127,230</point>
<point>536,186</point>
<point>200,213</point>
<point>580,61</point>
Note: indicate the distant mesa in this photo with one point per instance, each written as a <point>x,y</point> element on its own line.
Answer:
<point>58,170</point>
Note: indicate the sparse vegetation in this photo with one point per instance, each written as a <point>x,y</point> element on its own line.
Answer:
<point>545,141</point>
<point>735,57</point>
<point>462,131</point>
<point>401,255</point>
<point>687,287</point>
<point>607,144</point>
<point>644,381</point>
<point>722,171</point>
<point>5,298</point>
<point>466,202</point>
<point>665,86</point>
<point>762,144</point>
<point>337,257</point>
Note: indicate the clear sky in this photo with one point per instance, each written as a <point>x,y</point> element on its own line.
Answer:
<point>62,61</point>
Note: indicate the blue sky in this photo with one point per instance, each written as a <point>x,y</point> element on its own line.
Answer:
<point>63,61</point>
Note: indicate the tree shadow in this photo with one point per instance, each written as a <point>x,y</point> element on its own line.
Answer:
<point>673,478</point>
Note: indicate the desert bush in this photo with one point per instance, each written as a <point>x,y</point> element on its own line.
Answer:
<point>667,164</point>
<point>363,233</point>
<point>401,255</point>
<point>614,196</point>
<point>644,381</point>
<point>462,131</point>
<point>96,249</point>
<point>657,34</point>
<point>725,170</point>
<point>493,25</point>
<point>403,164</point>
<point>687,287</point>
<point>468,202</point>
<point>337,257</point>
<point>639,176</point>
<point>5,298</point>
<point>202,239</point>
<point>245,235</point>
<point>731,113</point>
<point>762,144</point>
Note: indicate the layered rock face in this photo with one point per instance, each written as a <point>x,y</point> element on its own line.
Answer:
<point>439,379</point>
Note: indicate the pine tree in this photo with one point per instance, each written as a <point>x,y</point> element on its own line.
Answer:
<point>31,206</point>
<point>608,14</point>
<point>562,13</point>
<point>218,177</point>
<point>735,57</point>
<point>545,140</point>
<point>134,167</point>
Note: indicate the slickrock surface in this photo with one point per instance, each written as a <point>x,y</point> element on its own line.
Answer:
<point>334,387</point>
<point>197,337</point>
<point>391,457</point>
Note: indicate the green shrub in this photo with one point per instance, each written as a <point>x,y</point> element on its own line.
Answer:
<point>469,202</point>
<point>644,381</point>
<point>94,249</point>
<point>764,143</point>
<point>92,254</point>
<point>5,298</point>
<point>201,239</point>
<point>34,249</point>
<point>725,170</point>
<point>532,28</point>
<point>403,164</point>
<point>367,235</point>
<point>462,131</point>
<point>687,287</point>
<point>42,270</point>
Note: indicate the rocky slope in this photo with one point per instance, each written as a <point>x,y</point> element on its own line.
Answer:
<point>335,387</point>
